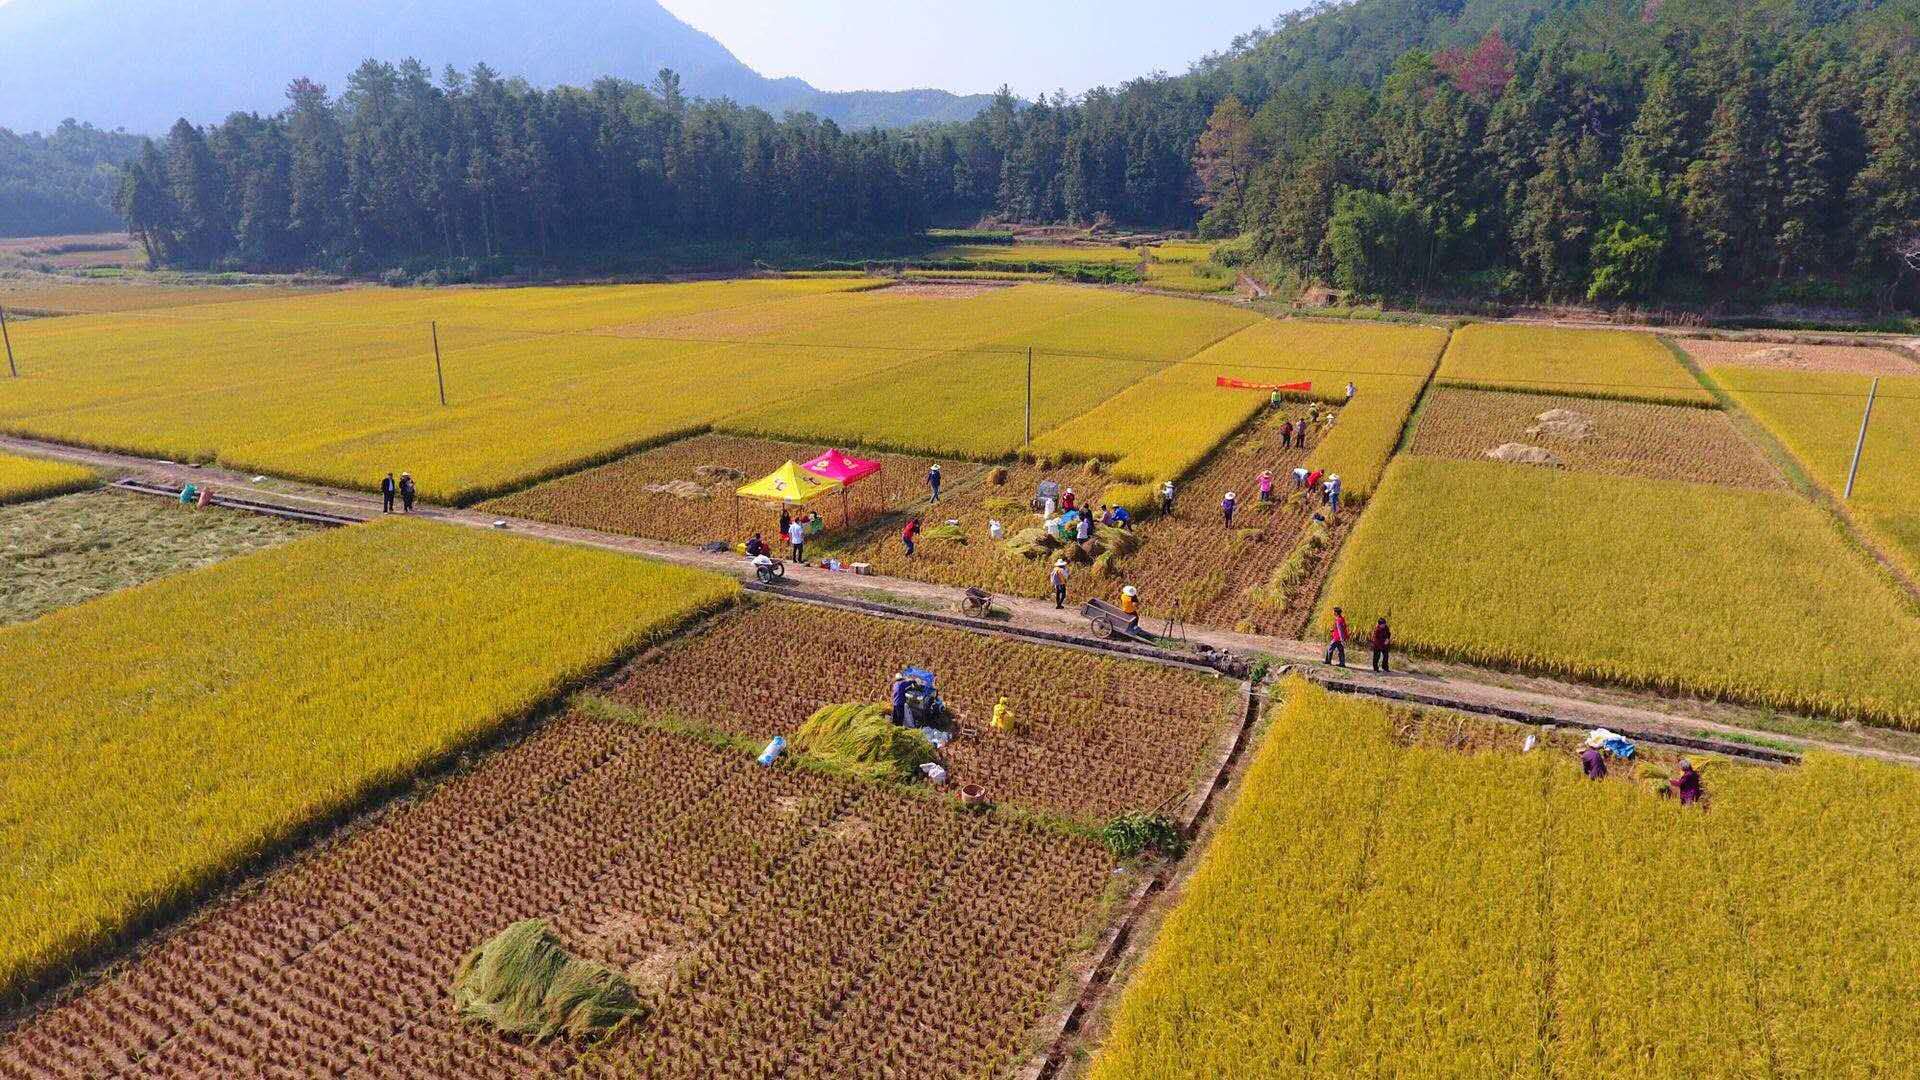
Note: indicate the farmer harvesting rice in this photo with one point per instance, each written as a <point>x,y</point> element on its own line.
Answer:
<point>1592,763</point>
<point>908,533</point>
<point>1266,485</point>
<point>1130,606</point>
<point>1227,506</point>
<point>1286,434</point>
<point>1687,784</point>
<point>1166,499</point>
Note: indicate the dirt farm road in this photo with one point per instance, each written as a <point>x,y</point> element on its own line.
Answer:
<point>1420,680</point>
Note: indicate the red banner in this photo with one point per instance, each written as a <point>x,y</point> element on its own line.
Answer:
<point>1241,384</point>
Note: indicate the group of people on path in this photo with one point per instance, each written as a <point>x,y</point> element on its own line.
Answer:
<point>1380,641</point>
<point>404,488</point>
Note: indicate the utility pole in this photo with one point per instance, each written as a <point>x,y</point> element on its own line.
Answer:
<point>1029,395</point>
<point>1861,443</point>
<point>439,372</point>
<point>8,338</point>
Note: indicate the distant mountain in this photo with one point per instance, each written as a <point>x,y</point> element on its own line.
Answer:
<point>142,64</point>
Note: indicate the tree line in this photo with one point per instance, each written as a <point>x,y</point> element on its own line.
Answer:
<point>62,182</point>
<point>473,168</point>
<point>1693,153</point>
<point>1570,149</point>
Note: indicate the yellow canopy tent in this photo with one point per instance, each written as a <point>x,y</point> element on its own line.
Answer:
<point>789,484</point>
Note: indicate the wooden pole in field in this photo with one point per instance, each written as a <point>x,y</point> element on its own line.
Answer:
<point>1861,443</point>
<point>439,372</point>
<point>1029,395</point>
<point>8,338</point>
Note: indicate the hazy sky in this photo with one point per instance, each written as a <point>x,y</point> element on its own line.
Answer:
<point>970,46</point>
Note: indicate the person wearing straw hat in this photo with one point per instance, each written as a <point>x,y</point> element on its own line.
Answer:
<point>933,480</point>
<point>1058,579</point>
<point>1227,507</point>
<point>1130,606</point>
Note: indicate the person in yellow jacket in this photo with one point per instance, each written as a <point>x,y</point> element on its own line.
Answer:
<point>1002,716</point>
<point>1130,605</point>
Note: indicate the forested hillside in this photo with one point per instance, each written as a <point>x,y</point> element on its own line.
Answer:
<point>1677,150</point>
<point>64,182</point>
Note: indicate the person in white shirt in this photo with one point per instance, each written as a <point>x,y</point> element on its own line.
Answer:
<point>797,536</point>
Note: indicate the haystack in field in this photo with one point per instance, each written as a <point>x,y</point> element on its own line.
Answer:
<point>524,982</point>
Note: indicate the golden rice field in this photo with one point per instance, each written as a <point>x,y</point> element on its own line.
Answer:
<point>172,732</point>
<point>37,295</point>
<point>1817,417</point>
<point>1039,254</point>
<point>1696,589</point>
<point>1165,426</point>
<point>1379,910</point>
<point>1620,364</point>
<point>1185,266</point>
<point>971,402</point>
<point>341,387</point>
<point>23,479</point>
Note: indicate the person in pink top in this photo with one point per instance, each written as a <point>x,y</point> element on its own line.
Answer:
<point>1337,638</point>
<point>1266,485</point>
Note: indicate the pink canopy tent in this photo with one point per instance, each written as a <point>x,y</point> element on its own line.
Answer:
<point>841,466</point>
<point>845,468</point>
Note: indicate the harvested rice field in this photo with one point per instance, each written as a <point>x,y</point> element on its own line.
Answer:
<point>774,922</point>
<point>684,492</point>
<point>1837,359</point>
<point>1620,364</point>
<point>1097,736</point>
<point>59,552</point>
<point>1656,442</point>
<point>177,732</point>
<point>1191,562</point>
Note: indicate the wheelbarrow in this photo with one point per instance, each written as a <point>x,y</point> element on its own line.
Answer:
<point>768,569</point>
<point>1108,621</point>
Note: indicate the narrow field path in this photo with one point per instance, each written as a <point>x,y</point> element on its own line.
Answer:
<point>1419,680</point>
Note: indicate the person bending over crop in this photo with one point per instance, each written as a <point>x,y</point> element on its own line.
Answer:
<point>907,534</point>
<point>1337,638</point>
<point>1593,763</point>
<point>1687,784</point>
